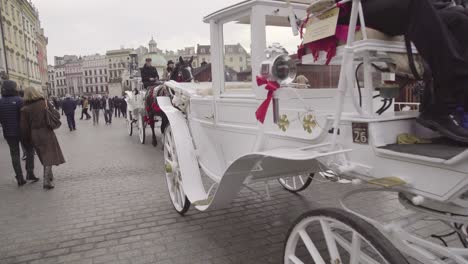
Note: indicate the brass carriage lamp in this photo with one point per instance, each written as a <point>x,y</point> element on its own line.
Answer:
<point>276,71</point>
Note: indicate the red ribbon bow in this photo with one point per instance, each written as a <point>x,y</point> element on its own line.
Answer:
<point>271,87</point>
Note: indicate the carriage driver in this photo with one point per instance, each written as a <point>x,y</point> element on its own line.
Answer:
<point>149,74</point>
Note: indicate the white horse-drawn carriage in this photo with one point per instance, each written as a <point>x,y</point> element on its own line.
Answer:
<point>313,131</point>
<point>136,112</point>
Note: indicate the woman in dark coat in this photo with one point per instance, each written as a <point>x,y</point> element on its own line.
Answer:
<point>36,133</point>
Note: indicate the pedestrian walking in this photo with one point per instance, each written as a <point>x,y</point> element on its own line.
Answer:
<point>10,113</point>
<point>123,106</point>
<point>96,106</point>
<point>84,111</point>
<point>69,107</point>
<point>108,104</point>
<point>36,133</point>
<point>116,106</point>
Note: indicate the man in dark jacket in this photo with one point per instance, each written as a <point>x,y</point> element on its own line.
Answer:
<point>10,107</point>
<point>69,107</point>
<point>116,106</point>
<point>123,107</point>
<point>96,106</point>
<point>149,74</point>
<point>108,105</point>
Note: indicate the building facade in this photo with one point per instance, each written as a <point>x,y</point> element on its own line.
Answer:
<point>235,57</point>
<point>95,74</point>
<point>203,54</point>
<point>42,42</point>
<point>21,27</point>
<point>74,77</point>
<point>51,89</point>
<point>118,62</point>
<point>60,80</point>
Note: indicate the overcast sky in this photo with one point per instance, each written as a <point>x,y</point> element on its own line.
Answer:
<point>84,27</point>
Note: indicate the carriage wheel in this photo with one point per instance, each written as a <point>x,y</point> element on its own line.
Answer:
<point>173,175</point>
<point>141,130</point>
<point>129,124</point>
<point>336,236</point>
<point>297,183</point>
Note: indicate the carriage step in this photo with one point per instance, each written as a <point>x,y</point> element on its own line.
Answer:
<point>442,148</point>
<point>388,182</point>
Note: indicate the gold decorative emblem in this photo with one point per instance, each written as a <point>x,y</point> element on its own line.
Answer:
<point>283,123</point>
<point>168,168</point>
<point>309,123</point>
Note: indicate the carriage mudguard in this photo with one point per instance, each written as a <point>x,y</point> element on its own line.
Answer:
<point>188,162</point>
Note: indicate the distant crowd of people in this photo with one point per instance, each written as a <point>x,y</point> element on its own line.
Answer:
<point>109,106</point>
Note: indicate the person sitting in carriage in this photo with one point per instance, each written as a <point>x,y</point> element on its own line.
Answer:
<point>149,74</point>
<point>168,71</point>
<point>438,29</point>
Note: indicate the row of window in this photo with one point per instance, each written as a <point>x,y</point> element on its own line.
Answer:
<point>90,80</point>
<point>22,66</point>
<point>90,72</point>
<point>96,89</point>
<point>115,74</point>
<point>61,82</point>
<point>16,15</point>
<point>20,40</point>
<point>241,59</point>
<point>117,65</point>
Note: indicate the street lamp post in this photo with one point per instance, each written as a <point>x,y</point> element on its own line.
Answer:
<point>133,68</point>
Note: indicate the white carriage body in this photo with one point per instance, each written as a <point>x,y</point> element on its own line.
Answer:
<point>217,130</point>
<point>225,131</point>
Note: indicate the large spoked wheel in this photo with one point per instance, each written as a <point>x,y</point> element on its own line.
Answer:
<point>297,183</point>
<point>336,236</point>
<point>141,129</point>
<point>173,175</point>
<point>129,123</point>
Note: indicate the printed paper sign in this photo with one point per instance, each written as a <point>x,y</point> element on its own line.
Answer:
<point>322,26</point>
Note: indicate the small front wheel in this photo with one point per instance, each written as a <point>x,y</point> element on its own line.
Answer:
<point>296,184</point>
<point>173,174</point>
<point>129,124</point>
<point>141,130</point>
<point>336,236</point>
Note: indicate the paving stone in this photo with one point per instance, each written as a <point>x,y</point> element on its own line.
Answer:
<point>111,205</point>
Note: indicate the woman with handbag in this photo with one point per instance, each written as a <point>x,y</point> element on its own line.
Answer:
<point>38,121</point>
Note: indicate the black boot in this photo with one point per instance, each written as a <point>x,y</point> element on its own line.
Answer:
<point>20,180</point>
<point>448,125</point>
<point>32,177</point>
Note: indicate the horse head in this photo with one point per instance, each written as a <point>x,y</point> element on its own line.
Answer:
<point>183,71</point>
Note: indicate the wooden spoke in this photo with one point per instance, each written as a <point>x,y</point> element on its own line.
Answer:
<point>345,244</point>
<point>355,249</point>
<point>331,243</point>
<point>295,260</point>
<point>311,247</point>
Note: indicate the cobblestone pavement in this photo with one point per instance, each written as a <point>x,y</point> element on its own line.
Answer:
<point>111,206</point>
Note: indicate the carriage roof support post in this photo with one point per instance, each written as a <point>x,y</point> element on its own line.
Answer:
<point>346,67</point>
<point>258,41</point>
<point>217,54</point>
<point>258,45</point>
